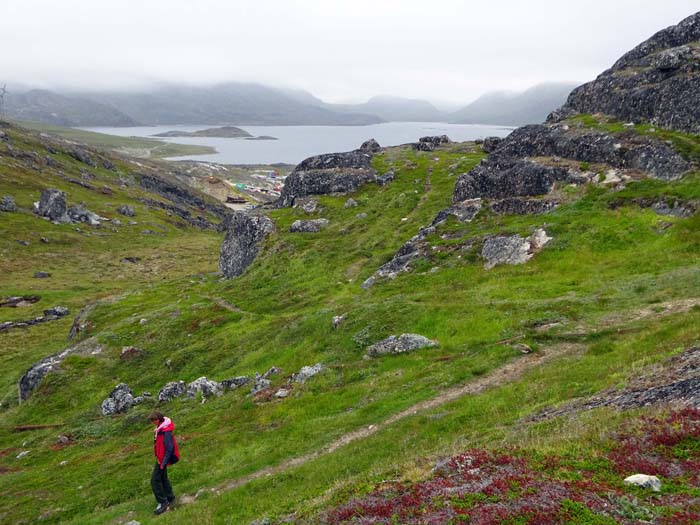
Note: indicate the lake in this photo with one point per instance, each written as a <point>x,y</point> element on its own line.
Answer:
<point>299,142</point>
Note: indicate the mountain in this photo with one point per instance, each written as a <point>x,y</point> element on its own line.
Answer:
<point>63,110</point>
<point>231,103</point>
<point>514,109</point>
<point>396,109</point>
<point>503,332</point>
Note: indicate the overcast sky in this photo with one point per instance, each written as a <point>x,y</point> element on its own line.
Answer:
<point>442,50</point>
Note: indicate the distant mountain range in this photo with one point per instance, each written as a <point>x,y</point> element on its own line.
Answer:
<point>254,104</point>
<point>515,109</point>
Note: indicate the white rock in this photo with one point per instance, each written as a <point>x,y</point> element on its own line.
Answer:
<point>22,454</point>
<point>644,481</point>
<point>282,393</point>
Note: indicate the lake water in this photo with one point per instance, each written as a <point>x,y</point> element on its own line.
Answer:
<point>299,142</point>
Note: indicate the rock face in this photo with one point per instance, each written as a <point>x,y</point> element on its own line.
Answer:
<point>52,205</point>
<point>310,226</point>
<point>244,233</point>
<point>119,400</point>
<point>657,82</point>
<point>401,344</point>
<point>7,204</point>
<point>31,379</point>
<point>511,171</point>
<point>204,386</point>
<point>171,390</point>
<point>512,249</point>
<point>327,174</point>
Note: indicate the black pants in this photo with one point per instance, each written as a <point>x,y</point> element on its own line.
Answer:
<point>161,485</point>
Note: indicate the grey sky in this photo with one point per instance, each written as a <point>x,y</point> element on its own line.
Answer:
<point>339,50</point>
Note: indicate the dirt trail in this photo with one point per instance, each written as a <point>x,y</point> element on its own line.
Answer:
<point>510,372</point>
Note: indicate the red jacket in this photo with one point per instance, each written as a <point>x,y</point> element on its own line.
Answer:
<point>164,444</point>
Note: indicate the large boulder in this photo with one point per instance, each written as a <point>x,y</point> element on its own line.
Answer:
<point>171,390</point>
<point>328,174</point>
<point>656,82</point>
<point>52,205</point>
<point>430,143</point>
<point>370,146</point>
<point>308,226</point>
<point>399,345</point>
<point>79,213</point>
<point>244,233</point>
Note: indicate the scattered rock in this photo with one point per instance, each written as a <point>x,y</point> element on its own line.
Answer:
<point>42,275</point>
<point>308,226</point>
<point>126,210</point>
<point>309,206</point>
<point>79,213</point>
<point>512,249</point>
<point>171,390</point>
<point>399,345</point>
<point>22,454</point>
<point>119,401</point>
<point>260,384</point>
<point>351,203</point>
<point>370,146</point>
<point>338,320</point>
<point>644,481</point>
<point>7,204</point>
<point>307,372</point>
<point>386,178</point>
<point>282,393</point>
<point>19,302</point>
<point>522,348</point>
<point>129,352</point>
<point>51,314</point>
<point>464,211</point>
<point>52,205</point>
<point>362,215</point>
<point>204,386</point>
<point>82,156</point>
<point>244,233</point>
<point>132,260</point>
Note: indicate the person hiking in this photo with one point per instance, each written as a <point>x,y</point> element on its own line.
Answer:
<point>165,448</point>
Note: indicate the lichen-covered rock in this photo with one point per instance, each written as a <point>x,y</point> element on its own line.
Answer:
<point>171,390</point>
<point>401,262</point>
<point>351,203</point>
<point>309,226</point>
<point>119,401</point>
<point>52,205</point>
<point>309,205</point>
<point>7,204</point>
<point>307,372</point>
<point>79,213</point>
<point>512,249</point>
<point>401,344</point>
<point>260,384</point>
<point>204,386</point>
<point>370,146</point>
<point>464,211</point>
<point>386,178</point>
<point>490,144</point>
<point>244,233</point>
<point>523,206</point>
<point>430,143</point>
<point>83,156</point>
<point>31,379</point>
<point>656,82</point>
<point>328,174</point>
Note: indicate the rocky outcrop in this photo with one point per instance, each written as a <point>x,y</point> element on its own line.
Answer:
<point>490,144</point>
<point>657,82</point>
<point>525,163</point>
<point>179,193</point>
<point>244,233</point>
<point>309,226</point>
<point>512,249</point>
<point>430,143</point>
<point>7,204</point>
<point>370,146</point>
<point>464,211</point>
<point>31,379</point>
<point>523,206</point>
<point>52,205</point>
<point>328,174</point>
<point>235,382</point>
<point>401,344</point>
<point>119,401</point>
<point>79,213</point>
<point>52,314</point>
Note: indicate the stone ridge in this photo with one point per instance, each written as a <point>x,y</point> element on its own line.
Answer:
<point>656,82</point>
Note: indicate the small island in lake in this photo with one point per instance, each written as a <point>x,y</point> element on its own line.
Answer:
<point>227,132</point>
<point>262,137</point>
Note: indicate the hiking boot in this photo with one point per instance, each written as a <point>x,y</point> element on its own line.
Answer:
<point>171,501</point>
<point>161,508</point>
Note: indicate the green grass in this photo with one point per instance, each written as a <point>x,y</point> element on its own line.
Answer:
<point>133,146</point>
<point>589,272</point>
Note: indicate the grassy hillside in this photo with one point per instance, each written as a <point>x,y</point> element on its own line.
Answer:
<point>613,294</point>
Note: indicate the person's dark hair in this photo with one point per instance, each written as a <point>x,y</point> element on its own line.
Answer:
<point>156,415</point>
